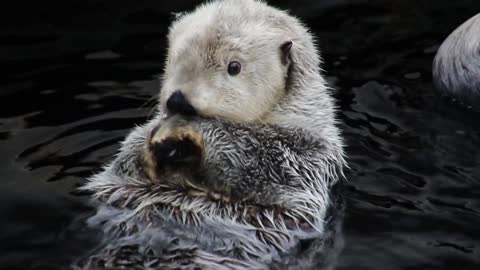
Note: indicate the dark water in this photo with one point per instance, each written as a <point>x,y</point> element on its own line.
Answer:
<point>77,75</point>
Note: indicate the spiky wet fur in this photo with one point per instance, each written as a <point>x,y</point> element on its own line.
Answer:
<point>278,170</point>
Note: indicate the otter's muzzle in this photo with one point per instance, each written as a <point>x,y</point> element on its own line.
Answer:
<point>177,103</point>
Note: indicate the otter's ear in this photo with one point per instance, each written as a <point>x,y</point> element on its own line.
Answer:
<point>285,50</point>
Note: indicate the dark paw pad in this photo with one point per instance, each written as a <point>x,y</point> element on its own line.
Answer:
<point>171,151</point>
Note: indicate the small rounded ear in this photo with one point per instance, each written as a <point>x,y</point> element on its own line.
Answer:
<point>285,50</point>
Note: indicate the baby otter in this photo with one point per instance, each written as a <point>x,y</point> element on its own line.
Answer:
<point>240,169</point>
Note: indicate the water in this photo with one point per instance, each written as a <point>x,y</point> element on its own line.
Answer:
<point>77,76</point>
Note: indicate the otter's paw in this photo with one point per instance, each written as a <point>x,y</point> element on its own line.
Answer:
<point>175,142</point>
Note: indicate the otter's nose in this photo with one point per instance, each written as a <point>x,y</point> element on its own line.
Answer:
<point>178,104</point>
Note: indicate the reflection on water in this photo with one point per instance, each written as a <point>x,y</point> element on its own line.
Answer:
<point>76,81</point>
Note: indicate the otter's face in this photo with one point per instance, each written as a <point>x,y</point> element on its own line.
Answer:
<point>226,72</point>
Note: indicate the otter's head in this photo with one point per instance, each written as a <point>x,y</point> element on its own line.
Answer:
<point>230,62</point>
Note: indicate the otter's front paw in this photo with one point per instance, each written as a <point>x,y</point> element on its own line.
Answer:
<point>175,142</point>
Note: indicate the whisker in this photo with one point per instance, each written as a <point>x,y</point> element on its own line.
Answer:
<point>152,111</point>
<point>153,98</point>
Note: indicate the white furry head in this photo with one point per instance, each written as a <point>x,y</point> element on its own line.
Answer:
<point>203,43</point>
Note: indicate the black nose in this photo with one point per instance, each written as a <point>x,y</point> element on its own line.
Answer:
<point>177,103</point>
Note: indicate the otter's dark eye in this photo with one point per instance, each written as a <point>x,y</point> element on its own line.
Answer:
<point>234,68</point>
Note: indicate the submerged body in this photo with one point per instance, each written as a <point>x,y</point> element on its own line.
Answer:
<point>241,167</point>
<point>292,219</point>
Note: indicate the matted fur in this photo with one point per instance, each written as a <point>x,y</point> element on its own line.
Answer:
<point>270,146</point>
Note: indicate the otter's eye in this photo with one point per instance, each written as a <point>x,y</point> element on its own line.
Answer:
<point>234,68</point>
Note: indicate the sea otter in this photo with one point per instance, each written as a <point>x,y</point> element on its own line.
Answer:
<point>456,67</point>
<point>240,168</point>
